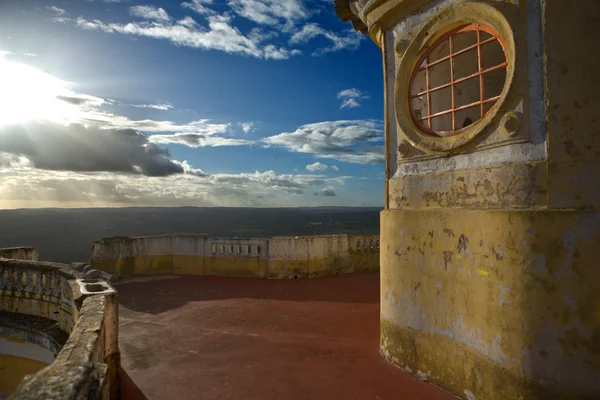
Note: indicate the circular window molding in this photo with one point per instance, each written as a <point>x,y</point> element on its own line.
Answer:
<point>429,33</point>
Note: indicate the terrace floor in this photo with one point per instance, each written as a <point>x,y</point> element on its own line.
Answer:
<point>203,337</point>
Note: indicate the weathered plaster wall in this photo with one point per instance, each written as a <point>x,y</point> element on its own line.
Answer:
<point>488,261</point>
<point>20,253</point>
<point>279,257</point>
<point>501,304</point>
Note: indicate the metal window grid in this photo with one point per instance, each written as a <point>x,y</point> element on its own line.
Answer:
<point>424,122</point>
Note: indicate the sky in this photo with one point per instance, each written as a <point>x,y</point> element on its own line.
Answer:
<point>251,103</point>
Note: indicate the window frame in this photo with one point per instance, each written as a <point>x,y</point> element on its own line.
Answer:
<point>425,53</point>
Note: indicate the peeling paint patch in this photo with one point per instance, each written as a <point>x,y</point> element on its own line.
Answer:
<point>571,301</point>
<point>422,376</point>
<point>502,292</point>
<point>540,262</point>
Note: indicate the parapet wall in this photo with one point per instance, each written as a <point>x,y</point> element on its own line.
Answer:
<point>20,253</point>
<point>85,307</point>
<point>197,254</point>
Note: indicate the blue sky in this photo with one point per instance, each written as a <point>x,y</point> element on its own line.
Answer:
<point>199,102</point>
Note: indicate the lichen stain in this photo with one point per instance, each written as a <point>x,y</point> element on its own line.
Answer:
<point>447,258</point>
<point>448,232</point>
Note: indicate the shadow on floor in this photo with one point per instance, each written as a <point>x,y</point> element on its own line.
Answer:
<point>129,390</point>
<point>158,294</point>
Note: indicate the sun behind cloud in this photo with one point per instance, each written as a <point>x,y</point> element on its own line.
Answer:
<point>29,94</point>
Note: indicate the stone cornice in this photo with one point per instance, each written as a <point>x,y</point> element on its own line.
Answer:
<point>375,16</point>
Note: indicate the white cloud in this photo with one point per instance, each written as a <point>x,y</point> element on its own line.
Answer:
<point>285,13</point>
<point>350,103</point>
<point>247,127</point>
<point>188,22</point>
<point>198,140</point>
<point>350,40</point>
<point>24,186</point>
<point>351,97</point>
<point>341,140</point>
<point>357,158</point>
<point>58,11</point>
<point>335,168</point>
<point>159,106</point>
<point>317,167</point>
<point>199,6</point>
<point>220,35</point>
<point>150,12</point>
<point>279,16</point>
<point>325,192</point>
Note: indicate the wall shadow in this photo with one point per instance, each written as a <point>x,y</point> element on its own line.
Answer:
<point>157,294</point>
<point>129,390</point>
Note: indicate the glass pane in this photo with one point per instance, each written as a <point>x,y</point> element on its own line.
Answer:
<point>493,82</point>
<point>420,107</point>
<point>464,40</point>
<point>441,100</point>
<point>492,54</point>
<point>442,123</point>
<point>485,35</point>
<point>466,92</point>
<point>439,74</point>
<point>419,83</point>
<point>467,117</point>
<point>442,50</point>
<point>488,106</point>
<point>466,64</point>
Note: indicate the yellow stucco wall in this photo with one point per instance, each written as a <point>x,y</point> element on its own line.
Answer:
<point>13,369</point>
<point>275,258</point>
<point>241,267</point>
<point>499,303</point>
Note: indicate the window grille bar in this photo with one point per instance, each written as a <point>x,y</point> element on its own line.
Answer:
<point>459,80</point>
<point>452,83</point>
<point>476,103</point>
<point>458,53</point>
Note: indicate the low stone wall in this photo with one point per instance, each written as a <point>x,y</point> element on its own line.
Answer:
<point>20,253</point>
<point>197,254</point>
<point>84,305</point>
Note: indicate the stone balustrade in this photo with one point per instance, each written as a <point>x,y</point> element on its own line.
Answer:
<point>84,305</point>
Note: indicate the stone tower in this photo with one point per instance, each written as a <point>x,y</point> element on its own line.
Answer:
<point>490,255</point>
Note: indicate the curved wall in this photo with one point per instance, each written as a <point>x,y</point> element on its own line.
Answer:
<point>84,306</point>
<point>278,257</point>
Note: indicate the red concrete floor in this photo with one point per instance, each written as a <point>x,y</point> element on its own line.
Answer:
<point>201,337</point>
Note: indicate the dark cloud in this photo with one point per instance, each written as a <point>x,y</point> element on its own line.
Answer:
<point>52,146</point>
<point>76,101</point>
<point>325,193</point>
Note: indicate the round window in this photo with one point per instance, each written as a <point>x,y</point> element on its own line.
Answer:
<point>458,80</point>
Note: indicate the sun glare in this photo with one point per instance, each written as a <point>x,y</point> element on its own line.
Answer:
<point>28,94</point>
